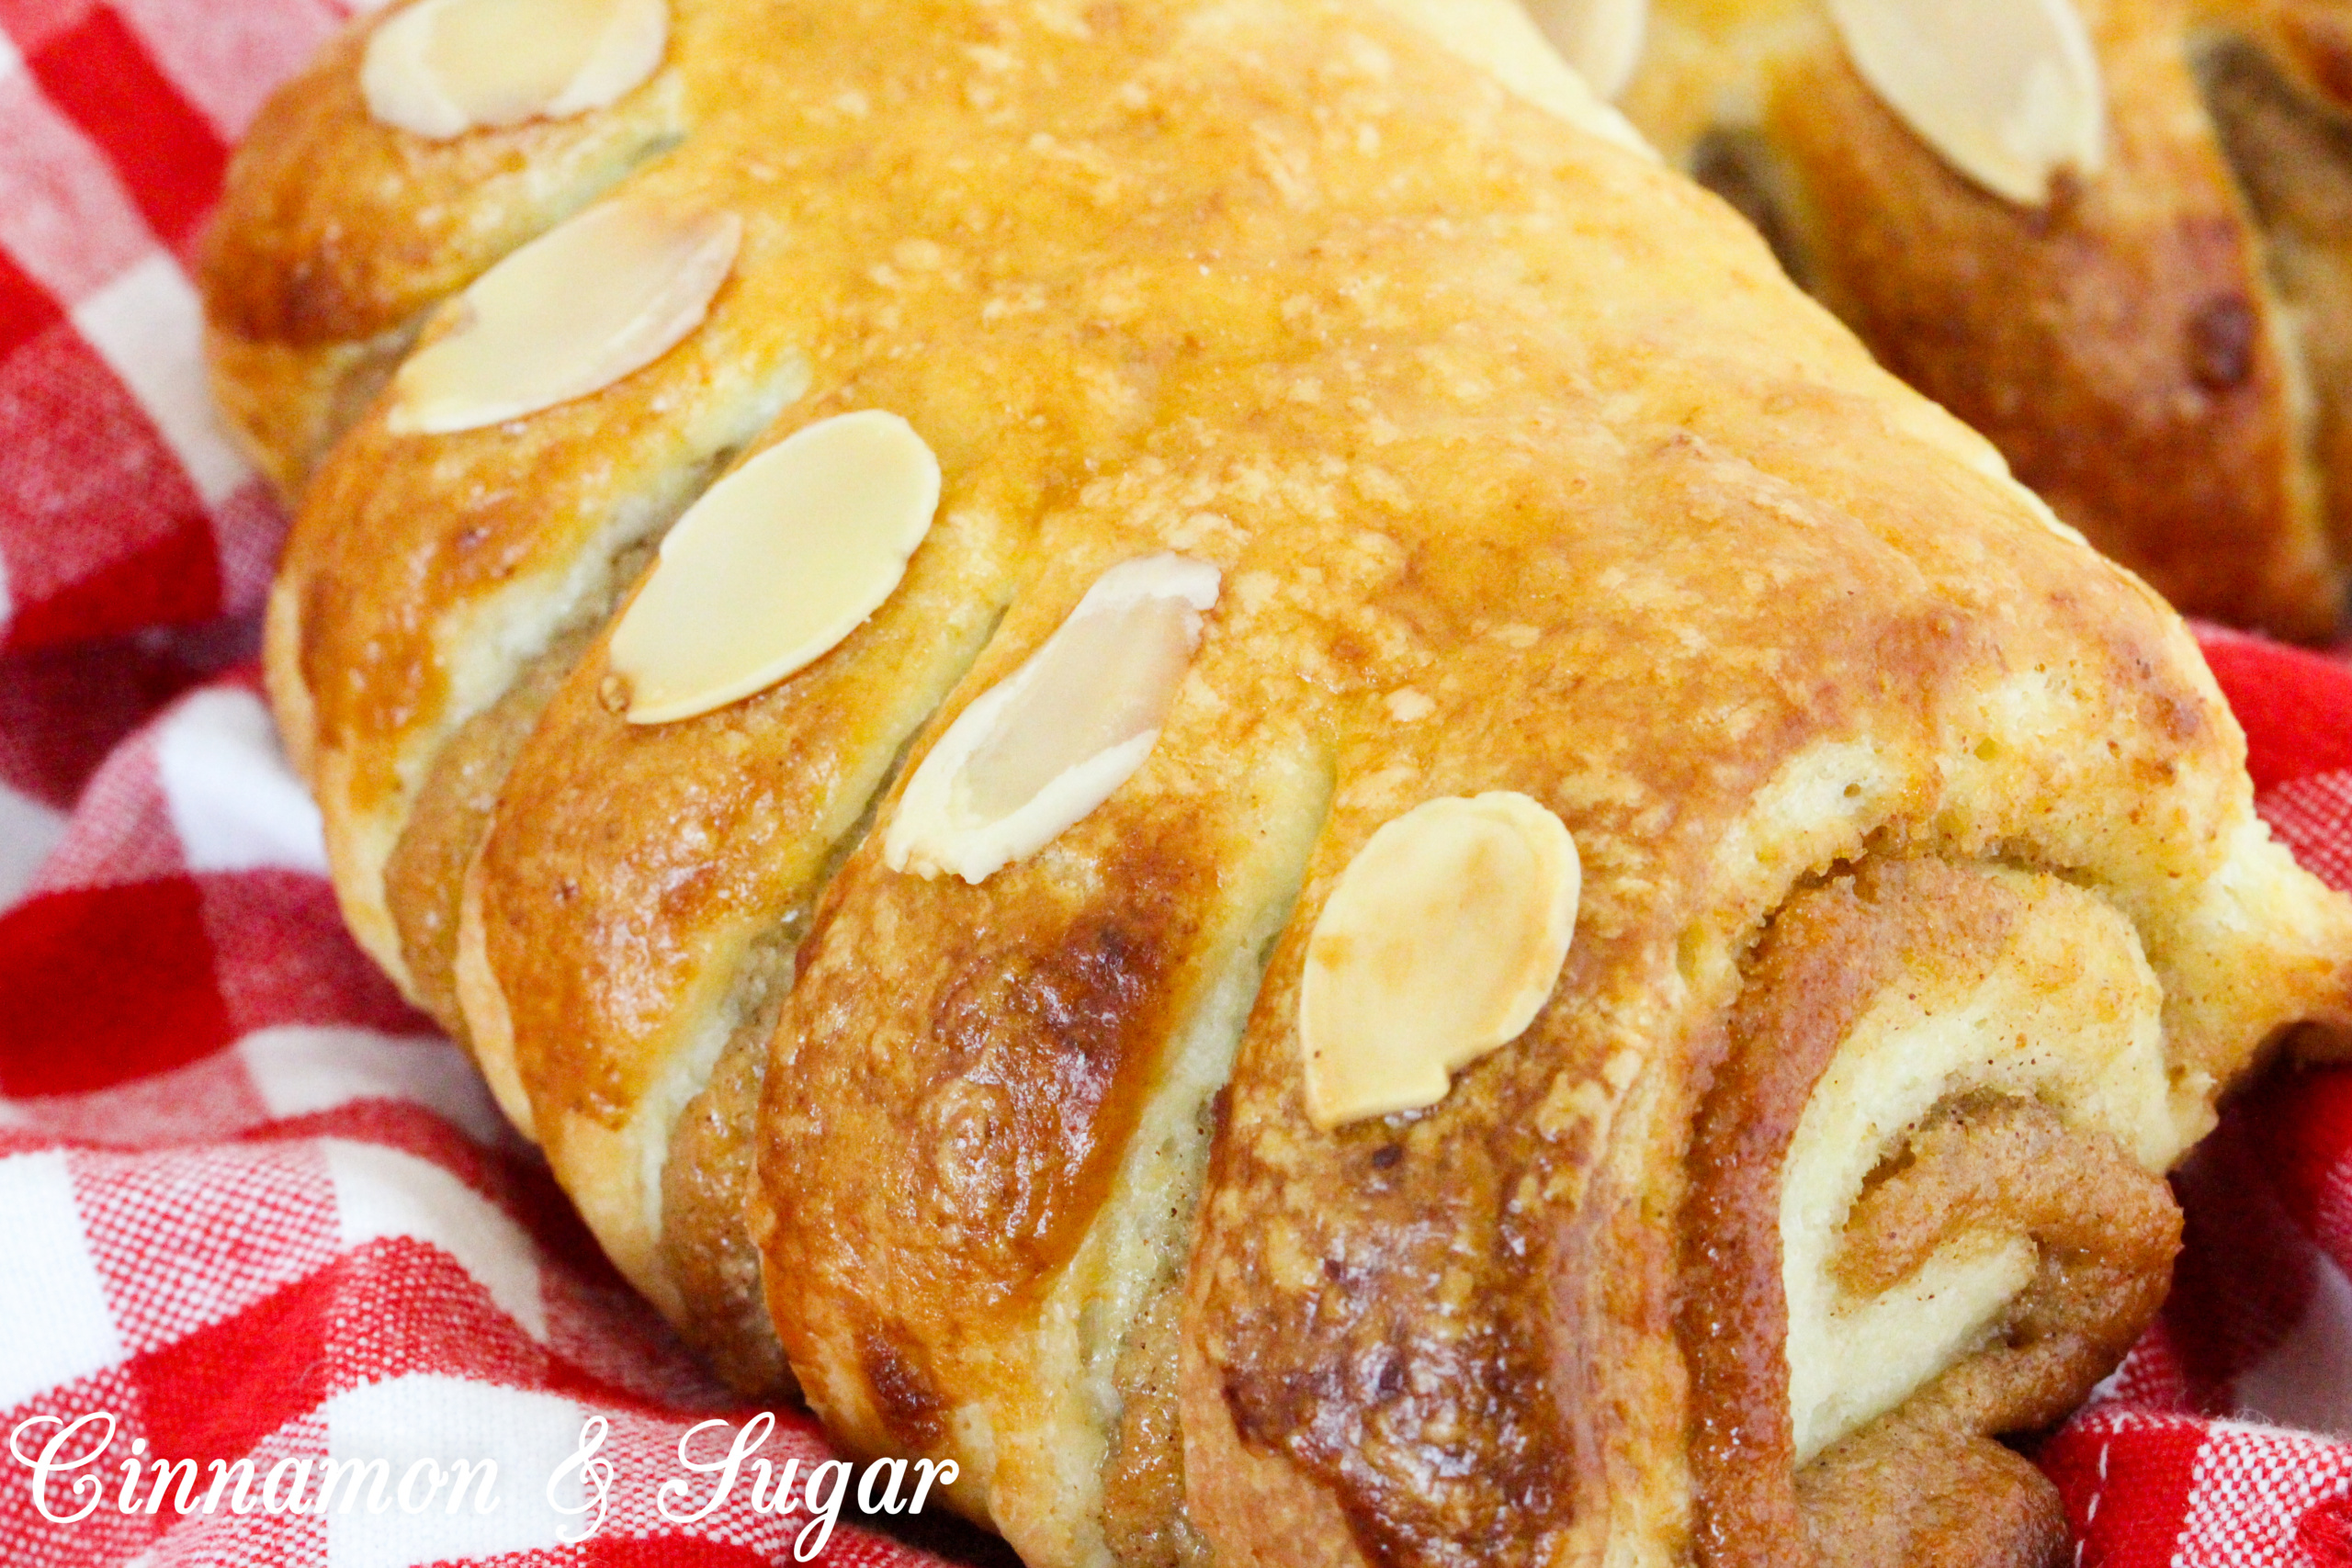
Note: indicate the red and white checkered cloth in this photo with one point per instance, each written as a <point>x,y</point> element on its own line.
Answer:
<point>253,1207</point>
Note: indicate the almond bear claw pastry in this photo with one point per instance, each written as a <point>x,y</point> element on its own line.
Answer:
<point>1169,498</point>
<point>2113,235</point>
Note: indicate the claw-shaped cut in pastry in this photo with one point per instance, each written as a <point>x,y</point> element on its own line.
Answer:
<point>779,562</point>
<point>446,67</point>
<point>1603,38</point>
<point>568,315</point>
<point>1045,747</point>
<point>1440,942</point>
<point>2007,91</point>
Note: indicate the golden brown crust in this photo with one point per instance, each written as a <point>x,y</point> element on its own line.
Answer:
<point>1299,1523</point>
<point>1043,1029</point>
<point>334,230</point>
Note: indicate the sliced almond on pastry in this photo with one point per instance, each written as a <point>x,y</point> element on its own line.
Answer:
<point>568,314</point>
<point>1441,942</point>
<point>1499,38</point>
<point>775,565</point>
<point>444,67</point>
<point>2006,91</point>
<point>1050,742</point>
<point>1603,38</point>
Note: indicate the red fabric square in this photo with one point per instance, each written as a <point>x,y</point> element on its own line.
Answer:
<point>2326,1534</point>
<point>26,308</point>
<point>103,984</point>
<point>2291,705</point>
<point>2126,1481</point>
<point>216,1393</point>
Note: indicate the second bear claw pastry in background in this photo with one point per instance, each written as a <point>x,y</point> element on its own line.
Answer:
<point>1202,754</point>
<point>2113,235</point>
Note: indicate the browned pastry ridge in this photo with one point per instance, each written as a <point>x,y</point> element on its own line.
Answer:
<point>2163,349</point>
<point>1901,847</point>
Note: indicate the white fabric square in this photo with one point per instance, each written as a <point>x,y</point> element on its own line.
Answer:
<point>148,327</point>
<point>235,805</point>
<point>64,219</point>
<point>300,1069</point>
<point>381,1193</point>
<point>445,1420</point>
<point>29,830</point>
<point>58,1326</point>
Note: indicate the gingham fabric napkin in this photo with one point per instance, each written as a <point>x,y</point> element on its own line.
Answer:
<point>252,1208</point>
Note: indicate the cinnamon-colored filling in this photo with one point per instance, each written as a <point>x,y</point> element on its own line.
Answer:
<point>1927,1481</point>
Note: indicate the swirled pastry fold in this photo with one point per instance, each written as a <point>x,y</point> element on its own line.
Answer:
<point>1522,475</point>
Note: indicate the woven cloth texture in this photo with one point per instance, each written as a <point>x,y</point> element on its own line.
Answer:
<point>258,1210</point>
